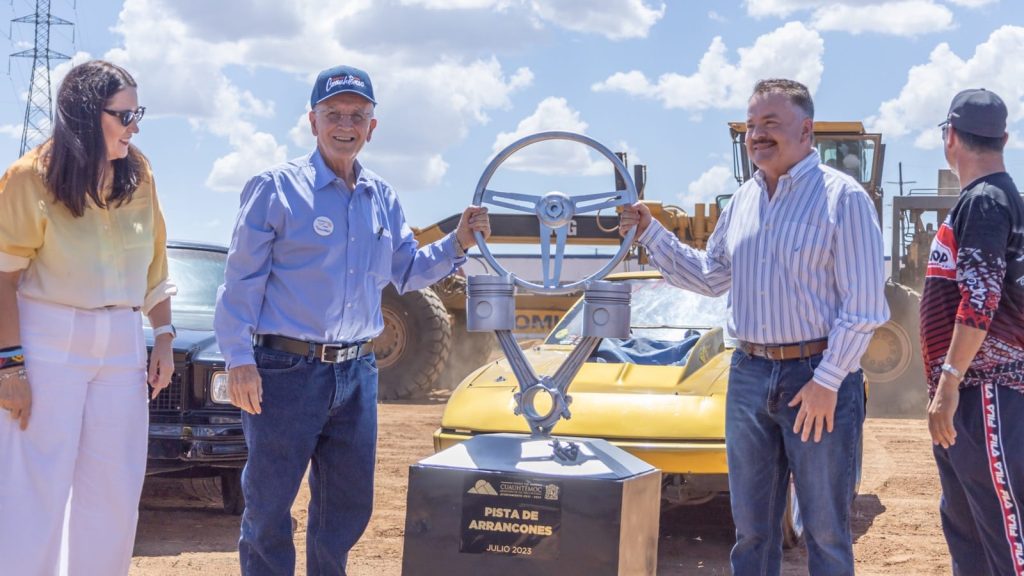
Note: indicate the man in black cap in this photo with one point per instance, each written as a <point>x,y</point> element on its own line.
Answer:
<point>972,335</point>
<point>316,241</point>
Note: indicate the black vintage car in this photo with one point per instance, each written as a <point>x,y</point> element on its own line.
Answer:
<point>194,431</point>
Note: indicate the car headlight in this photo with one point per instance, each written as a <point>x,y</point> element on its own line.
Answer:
<point>219,388</point>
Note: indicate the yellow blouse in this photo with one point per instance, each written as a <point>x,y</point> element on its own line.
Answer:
<point>107,257</point>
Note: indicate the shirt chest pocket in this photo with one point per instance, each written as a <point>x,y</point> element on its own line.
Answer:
<point>134,223</point>
<point>380,256</point>
<point>798,246</point>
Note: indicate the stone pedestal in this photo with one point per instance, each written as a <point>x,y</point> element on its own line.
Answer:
<point>502,504</point>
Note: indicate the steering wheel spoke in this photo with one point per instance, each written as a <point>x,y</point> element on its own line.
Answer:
<point>600,201</point>
<point>552,278</point>
<point>512,200</point>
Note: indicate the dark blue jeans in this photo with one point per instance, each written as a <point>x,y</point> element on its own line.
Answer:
<point>982,478</point>
<point>319,413</point>
<point>762,449</point>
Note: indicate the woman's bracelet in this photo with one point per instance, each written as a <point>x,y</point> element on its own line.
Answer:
<point>12,352</point>
<point>13,360</point>
<point>21,374</point>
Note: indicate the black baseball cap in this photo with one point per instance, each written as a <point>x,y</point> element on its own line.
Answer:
<point>978,111</point>
<point>341,79</point>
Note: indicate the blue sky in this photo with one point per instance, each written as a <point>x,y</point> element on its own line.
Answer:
<point>226,85</point>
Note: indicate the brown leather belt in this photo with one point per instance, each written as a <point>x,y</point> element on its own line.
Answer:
<point>331,353</point>
<point>784,351</point>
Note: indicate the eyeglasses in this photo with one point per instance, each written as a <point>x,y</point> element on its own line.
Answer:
<point>945,130</point>
<point>127,116</point>
<point>354,119</point>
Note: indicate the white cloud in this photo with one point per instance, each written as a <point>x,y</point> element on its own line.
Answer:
<point>997,64</point>
<point>893,17</point>
<point>253,153</point>
<point>614,19</point>
<point>457,4</point>
<point>904,18</point>
<point>408,172</point>
<point>973,3</point>
<point>716,180</point>
<point>422,113</point>
<point>780,8</point>
<point>715,16</point>
<point>12,130</point>
<point>792,51</point>
<point>555,157</point>
<point>301,134</point>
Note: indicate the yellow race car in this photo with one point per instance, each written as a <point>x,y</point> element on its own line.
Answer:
<point>659,395</point>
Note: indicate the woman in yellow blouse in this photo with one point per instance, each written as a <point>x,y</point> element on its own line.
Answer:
<point>82,252</point>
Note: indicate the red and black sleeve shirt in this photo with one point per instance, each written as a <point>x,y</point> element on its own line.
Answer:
<point>975,277</point>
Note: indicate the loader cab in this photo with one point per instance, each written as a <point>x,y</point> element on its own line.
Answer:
<point>844,146</point>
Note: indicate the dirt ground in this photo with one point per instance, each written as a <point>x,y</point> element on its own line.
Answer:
<point>896,522</point>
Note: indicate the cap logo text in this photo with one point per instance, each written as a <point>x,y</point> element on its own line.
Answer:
<point>346,80</point>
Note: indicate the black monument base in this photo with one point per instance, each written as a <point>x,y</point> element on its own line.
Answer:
<point>503,504</point>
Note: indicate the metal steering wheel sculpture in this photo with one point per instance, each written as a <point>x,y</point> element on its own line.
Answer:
<point>555,212</point>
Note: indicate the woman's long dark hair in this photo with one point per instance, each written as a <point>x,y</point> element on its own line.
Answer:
<point>77,153</point>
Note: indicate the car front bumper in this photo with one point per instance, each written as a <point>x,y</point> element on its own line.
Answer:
<point>178,446</point>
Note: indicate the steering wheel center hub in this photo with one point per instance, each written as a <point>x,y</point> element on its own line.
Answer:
<point>555,209</point>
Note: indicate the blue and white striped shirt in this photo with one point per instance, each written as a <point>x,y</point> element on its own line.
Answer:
<point>804,265</point>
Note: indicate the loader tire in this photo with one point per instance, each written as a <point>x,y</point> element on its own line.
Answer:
<point>414,346</point>
<point>892,363</point>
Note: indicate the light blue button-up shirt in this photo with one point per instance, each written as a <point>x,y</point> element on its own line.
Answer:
<point>309,258</point>
<point>805,264</point>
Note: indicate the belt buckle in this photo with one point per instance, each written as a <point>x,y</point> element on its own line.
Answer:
<point>341,353</point>
<point>330,348</point>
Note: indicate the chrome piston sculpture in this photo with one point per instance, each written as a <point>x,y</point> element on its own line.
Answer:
<point>538,504</point>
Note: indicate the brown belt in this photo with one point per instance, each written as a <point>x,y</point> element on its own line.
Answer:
<point>331,353</point>
<point>784,351</point>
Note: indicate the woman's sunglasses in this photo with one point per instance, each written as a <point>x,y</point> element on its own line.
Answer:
<point>127,116</point>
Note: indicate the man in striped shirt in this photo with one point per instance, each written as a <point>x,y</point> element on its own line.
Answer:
<point>801,249</point>
<point>972,335</point>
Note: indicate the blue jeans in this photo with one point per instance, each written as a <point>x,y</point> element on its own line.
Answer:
<point>762,449</point>
<point>982,478</point>
<point>312,412</point>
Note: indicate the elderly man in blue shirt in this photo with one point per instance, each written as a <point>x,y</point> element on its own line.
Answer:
<point>801,249</point>
<point>316,240</point>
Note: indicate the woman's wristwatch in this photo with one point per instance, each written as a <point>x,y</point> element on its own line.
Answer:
<point>165,329</point>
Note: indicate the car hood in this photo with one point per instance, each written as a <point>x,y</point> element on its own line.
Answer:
<point>200,345</point>
<point>608,400</point>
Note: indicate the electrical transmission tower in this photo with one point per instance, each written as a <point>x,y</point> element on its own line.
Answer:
<point>39,110</point>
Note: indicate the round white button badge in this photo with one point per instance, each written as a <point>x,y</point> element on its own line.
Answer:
<point>323,226</point>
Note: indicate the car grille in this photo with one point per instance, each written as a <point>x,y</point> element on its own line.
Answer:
<point>172,399</point>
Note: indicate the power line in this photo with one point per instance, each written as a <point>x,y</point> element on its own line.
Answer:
<point>39,109</point>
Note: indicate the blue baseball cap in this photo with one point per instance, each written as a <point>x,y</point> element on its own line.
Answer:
<point>341,79</point>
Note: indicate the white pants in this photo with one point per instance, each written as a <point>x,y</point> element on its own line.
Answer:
<point>86,437</point>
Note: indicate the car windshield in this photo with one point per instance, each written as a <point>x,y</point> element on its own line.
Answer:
<point>197,273</point>
<point>658,311</point>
